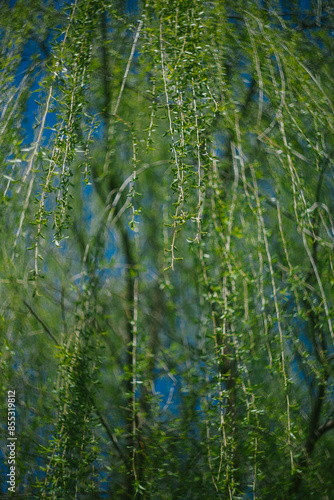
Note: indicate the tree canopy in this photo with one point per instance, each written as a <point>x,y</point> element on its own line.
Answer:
<point>167,248</point>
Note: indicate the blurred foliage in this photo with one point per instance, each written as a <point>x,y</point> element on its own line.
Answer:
<point>167,248</point>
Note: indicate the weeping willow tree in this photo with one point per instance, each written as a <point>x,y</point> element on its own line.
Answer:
<point>167,248</point>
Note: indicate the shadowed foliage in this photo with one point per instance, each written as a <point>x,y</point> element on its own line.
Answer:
<point>167,274</point>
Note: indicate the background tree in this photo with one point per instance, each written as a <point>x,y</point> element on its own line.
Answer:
<point>167,272</point>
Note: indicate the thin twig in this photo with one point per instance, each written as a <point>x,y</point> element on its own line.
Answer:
<point>128,67</point>
<point>46,328</point>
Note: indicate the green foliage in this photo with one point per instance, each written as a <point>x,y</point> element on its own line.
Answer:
<point>167,260</point>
